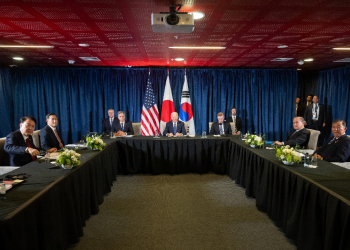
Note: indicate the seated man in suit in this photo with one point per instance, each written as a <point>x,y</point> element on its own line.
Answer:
<point>175,127</point>
<point>299,135</point>
<point>337,147</point>
<point>236,120</point>
<point>19,144</point>
<point>123,127</point>
<point>220,127</point>
<point>109,123</point>
<point>50,136</point>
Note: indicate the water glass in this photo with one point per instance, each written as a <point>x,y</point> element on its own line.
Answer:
<point>47,157</point>
<point>204,134</point>
<point>111,135</point>
<point>313,161</point>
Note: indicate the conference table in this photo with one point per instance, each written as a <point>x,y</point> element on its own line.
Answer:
<point>49,210</point>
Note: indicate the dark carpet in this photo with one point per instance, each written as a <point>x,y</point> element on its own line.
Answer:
<point>187,211</point>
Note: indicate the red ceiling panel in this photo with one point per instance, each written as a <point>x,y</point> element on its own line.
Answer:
<point>119,33</point>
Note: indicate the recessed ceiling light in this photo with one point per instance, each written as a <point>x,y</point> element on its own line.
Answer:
<point>341,48</point>
<point>26,46</point>
<point>343,60</point>
<point>298,69</point>
<point>84,45</point>
<point>182,47</point>
<point>197,15</point>
<point>90,58</point>
<point>282,46</point>
<point>17,58</point>
<point>281,59</point>
<point>308,60</point>
<point>179,59</point>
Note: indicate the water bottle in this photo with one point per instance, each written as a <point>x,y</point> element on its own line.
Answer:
<point>264,144</point>
<point>2,191</point>
<point>156,134</point>
<point>241,136</point>
<point>307,159</point>
<point>204,134</point>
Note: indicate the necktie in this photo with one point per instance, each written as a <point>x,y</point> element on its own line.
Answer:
<point>234,119</point>
<point>29,146</point>
<point>220,129</point>
<point>331,141</point>
<point>174,128</point>
<point>316,107</point>
<point>123,126</point>
<point>58,139</point>
<point>296,109</point>
<point>111,121</point>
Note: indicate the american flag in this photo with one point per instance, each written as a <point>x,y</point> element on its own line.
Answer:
<point>150,114</point>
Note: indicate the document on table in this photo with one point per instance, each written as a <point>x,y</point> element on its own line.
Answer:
<point>5,170</point>
<point>342,164</point>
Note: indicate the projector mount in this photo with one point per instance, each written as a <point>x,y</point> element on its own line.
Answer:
<point>172,18</point>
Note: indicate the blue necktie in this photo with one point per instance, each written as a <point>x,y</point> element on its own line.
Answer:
<point>111,122</point>
<point>220,129</point>
<point>331,141</point>
<point>316,107</point>
<point>123,126</point>
<point>174,129</point>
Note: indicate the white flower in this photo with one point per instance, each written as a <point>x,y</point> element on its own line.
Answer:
<point>282,157</point>
<point>258,138</point>
<point>249,140</point>
<point>77,155</point>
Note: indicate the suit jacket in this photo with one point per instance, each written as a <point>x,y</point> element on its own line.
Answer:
<point>238,125</point>
<point>106,125</point>
<point>337,151</point>
<point>301,109</point>
<point>169,128</point>
<point>127,127</point>
<point>301,138</point>
<point>215,130</point>
<point>15,146</point>
<point>48,138</point>
<point>321,115</point>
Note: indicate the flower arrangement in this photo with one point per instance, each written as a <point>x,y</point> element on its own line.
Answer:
<point>288,154</point>
<point>254,140</point>
<point>95,142</point>
<point>68,158</point>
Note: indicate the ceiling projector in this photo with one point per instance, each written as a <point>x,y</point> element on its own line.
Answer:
<point>173,21</point>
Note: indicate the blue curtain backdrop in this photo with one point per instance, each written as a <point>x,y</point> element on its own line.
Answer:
<point>334,91</point>
<point>81,96</point>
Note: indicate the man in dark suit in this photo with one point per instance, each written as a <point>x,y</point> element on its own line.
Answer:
<point>302,107</point>
<point>299,135</point>
<point>123,127</point>
<point>337,147</point>
<point>175,127</point>
<point>237,120</point>
<point>19,144</point>
<point>299,108</point>
<point>220,127</point>
<point>50,137</point>
<point>315,117</point>
<point>109,123</point>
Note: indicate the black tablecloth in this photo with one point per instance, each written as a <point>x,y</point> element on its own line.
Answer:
<point>310,205</point>
<point>48,211</point>
<point>173,155</point>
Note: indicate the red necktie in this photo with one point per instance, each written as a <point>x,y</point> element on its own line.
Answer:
<point>58,139</point>
<point>28,145</point>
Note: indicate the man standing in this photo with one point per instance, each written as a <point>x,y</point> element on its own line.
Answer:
<point>337,147</point>
<point>175,127</point>
<point>237,120</point>
<point>315,115</point>
<point>108,123</point>
<point>299,108</point>
<point>302,107</point>
<point>123,127</point>
<point>299,135</point>
<point>50,136</point>
<point>220,127</point>
<point>19,144</point>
